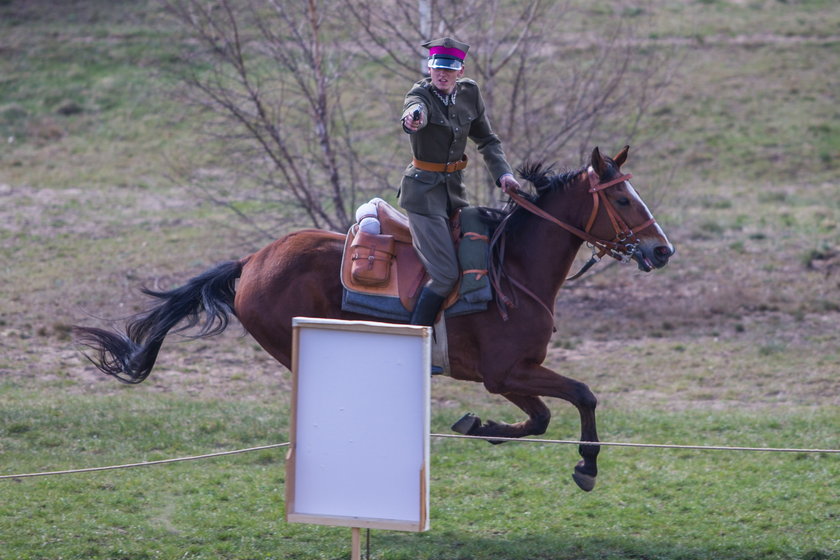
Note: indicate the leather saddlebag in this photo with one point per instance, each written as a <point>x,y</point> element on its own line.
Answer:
<point>372,256</point>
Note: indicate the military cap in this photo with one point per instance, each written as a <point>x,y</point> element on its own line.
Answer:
<point>446,53</point>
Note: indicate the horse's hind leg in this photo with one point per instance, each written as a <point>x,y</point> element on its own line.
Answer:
<point>538,418</point>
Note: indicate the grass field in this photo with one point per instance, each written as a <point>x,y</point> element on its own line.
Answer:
<point>736,343</point>
<point>513,501</point>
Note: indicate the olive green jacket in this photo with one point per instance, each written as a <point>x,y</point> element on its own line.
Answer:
<point>444,139</point>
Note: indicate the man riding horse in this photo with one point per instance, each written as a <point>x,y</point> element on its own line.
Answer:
<point>441,112</point>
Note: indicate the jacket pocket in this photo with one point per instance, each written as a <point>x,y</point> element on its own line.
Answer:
<point>426,177</point>
<point>422,192</point>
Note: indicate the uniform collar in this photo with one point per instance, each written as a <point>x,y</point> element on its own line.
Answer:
<point>447,100</point>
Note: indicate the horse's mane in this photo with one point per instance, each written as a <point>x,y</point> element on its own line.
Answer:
<point>545,180</point>
<point>506,220</point>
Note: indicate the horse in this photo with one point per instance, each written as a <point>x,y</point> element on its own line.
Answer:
<point>534,245</point>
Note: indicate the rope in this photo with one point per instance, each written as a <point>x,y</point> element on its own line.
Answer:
<point>647,445</point>
<point>146,463</point>
<point>450,436</point>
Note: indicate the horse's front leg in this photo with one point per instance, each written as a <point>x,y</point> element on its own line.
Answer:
<point>534,381</point>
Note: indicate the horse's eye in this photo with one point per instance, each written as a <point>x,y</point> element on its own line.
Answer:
<point>623,201</point>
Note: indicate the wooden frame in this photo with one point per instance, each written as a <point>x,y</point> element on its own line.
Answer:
<point>359,452</point>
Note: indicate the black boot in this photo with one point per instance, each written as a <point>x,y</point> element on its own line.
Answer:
<point>427,307</point>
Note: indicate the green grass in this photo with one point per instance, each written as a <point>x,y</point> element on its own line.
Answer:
<point>512,501</point>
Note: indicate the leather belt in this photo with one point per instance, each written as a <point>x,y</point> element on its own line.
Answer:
<point>440,167</point>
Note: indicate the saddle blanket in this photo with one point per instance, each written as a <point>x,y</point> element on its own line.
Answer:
<point>391,308</point>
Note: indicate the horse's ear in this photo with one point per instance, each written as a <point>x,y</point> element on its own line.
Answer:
<point>598,162</point>
<point>622,156</point>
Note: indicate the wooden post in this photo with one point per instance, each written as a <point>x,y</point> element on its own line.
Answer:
<point>356,544</point>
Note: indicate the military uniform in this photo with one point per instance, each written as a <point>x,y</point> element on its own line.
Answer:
<point>443,140</point>
<point>430,191</point>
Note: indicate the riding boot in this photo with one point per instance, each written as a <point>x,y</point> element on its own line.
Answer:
<point>427,307</point>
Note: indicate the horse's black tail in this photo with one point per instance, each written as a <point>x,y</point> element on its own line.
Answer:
<point>131,357</point>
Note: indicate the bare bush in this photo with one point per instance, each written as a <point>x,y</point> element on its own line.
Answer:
<point>306,95</point>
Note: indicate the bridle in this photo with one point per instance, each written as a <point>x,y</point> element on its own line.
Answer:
<point>621,247</point>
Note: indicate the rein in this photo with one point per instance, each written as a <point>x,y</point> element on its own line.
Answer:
<point>621,247</point>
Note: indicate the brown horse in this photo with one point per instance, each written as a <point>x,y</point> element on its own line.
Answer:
<point>503,347</point>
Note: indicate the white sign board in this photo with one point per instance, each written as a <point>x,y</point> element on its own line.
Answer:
<point>359,453</point>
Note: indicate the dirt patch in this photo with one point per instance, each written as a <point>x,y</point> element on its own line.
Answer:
<point>52,212</point>
<point>635,344</point>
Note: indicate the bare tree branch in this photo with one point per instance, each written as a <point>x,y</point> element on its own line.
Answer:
<point>307,94</point>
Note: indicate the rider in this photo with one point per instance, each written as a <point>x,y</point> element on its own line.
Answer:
<point>441,112</point>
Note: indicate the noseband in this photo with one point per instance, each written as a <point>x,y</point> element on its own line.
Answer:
<point>622,247</point>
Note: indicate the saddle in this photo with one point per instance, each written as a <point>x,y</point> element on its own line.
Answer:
<point>386,264</point>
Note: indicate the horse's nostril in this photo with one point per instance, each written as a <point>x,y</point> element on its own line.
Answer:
<point>663,251</point>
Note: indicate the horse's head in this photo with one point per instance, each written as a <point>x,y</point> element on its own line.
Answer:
<point>621,217</point>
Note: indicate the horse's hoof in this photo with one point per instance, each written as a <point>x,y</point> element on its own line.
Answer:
<point>586,482</point>
<point>466,424</point>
